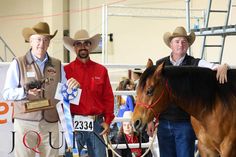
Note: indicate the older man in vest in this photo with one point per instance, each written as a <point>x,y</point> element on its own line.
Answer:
<point>175,134</point>
<point>31,83</point>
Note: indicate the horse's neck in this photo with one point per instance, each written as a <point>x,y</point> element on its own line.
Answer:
<point>193,109</point>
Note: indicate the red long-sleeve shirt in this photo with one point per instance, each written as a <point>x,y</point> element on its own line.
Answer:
<point>97,96</point>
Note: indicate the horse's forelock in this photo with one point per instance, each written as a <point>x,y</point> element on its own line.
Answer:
<point>146,74</point>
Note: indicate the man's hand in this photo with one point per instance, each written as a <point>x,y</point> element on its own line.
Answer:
<point>150,129</point>
<point>221,74</point>
<point>34,87</point>
<point>106,128</point>
<point>72,83</point>
<point>34,92</point>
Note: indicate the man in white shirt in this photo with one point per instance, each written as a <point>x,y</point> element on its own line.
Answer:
<point>34,78</point>
<point>175,134</point>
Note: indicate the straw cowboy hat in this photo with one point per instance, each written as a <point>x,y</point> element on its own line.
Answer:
<point>179,32</point>
<point>81,35</point>
<point>41,28</point>
<point>127,114</point>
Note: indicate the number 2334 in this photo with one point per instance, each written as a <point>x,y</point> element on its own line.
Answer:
<point>83,124</point>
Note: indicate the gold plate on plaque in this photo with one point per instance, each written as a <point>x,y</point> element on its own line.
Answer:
<point>37,105</point>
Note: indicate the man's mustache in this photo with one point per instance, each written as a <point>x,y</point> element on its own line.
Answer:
<point>83,50</point>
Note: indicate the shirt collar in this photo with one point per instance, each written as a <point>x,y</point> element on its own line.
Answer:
<point>78,61</point>
<point>178,62</point>
<point>38,60</point>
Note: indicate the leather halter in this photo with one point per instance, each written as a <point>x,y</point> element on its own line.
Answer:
<point>145,105</point>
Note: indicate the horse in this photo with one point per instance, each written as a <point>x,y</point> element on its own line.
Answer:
<point>211,105</point>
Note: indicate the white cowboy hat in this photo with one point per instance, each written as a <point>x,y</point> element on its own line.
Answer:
<point>81,35</point>
<point>127,114</point>
<point>179,32</point>
<point>41,28</point>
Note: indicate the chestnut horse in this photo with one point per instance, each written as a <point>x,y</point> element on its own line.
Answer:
<point>212,106</point>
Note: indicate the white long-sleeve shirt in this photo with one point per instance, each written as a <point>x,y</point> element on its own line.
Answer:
<point>201,63</point>
<point>11,91</point>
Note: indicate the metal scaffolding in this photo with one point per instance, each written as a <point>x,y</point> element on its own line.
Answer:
<point>144,12</point>
<point>222,31</point>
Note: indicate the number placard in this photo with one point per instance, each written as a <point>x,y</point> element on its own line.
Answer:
<point>83,123</point>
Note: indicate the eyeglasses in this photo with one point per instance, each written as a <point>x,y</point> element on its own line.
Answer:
<point>41,39</point>
<point>79,44</point>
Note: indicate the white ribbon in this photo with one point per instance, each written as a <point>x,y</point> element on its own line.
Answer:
<point>63,109</point>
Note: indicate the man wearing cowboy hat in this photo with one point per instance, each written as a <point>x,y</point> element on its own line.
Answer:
<point>175,134</point>
<point>97,100</point>
<point>34,78</point>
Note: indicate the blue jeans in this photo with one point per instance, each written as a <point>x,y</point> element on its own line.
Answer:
<point>176,139</point>
<point>94,145</point>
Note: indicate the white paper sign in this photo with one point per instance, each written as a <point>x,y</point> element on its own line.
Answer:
<point>83,123</point>
<point>72,99</point>
<point>30,74</point>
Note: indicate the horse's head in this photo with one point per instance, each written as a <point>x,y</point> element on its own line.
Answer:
<point>152,96</point>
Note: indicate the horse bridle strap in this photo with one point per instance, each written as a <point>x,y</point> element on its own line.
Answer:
<point>156,102</point>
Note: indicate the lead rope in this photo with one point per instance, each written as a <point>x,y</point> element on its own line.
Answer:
<point>108,144</point>
<point>151,144</point>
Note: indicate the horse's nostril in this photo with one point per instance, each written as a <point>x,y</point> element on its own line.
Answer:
<point>137,124</point>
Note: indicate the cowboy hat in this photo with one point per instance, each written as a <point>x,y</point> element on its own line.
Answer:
<point>40,28</point>
<point>81,35</point>
<point>178,32</point>
<point>127,114</point>
<point>137,70</point>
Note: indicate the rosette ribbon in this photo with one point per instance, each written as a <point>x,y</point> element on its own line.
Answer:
<point>63,109</point>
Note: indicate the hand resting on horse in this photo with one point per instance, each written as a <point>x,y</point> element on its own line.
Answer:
<point>221,74</point>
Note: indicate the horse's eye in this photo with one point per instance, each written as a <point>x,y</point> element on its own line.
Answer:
<point>150,91</point>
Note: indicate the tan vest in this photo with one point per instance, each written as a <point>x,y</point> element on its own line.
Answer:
<point>52,71</point>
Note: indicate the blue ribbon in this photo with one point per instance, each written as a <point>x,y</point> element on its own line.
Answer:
<point>67,96</point>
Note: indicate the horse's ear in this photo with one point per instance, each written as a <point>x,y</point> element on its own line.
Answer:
<point>159,69</point>
<point>149,63</point>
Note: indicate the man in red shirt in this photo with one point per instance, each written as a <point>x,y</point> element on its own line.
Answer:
<point>96,101</point>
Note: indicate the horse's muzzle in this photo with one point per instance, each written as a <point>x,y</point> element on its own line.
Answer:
<point>138,126</point>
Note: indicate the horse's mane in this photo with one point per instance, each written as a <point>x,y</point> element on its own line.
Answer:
<point>195,84</point>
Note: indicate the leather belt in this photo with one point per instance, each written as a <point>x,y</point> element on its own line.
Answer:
<point>94,117</point>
